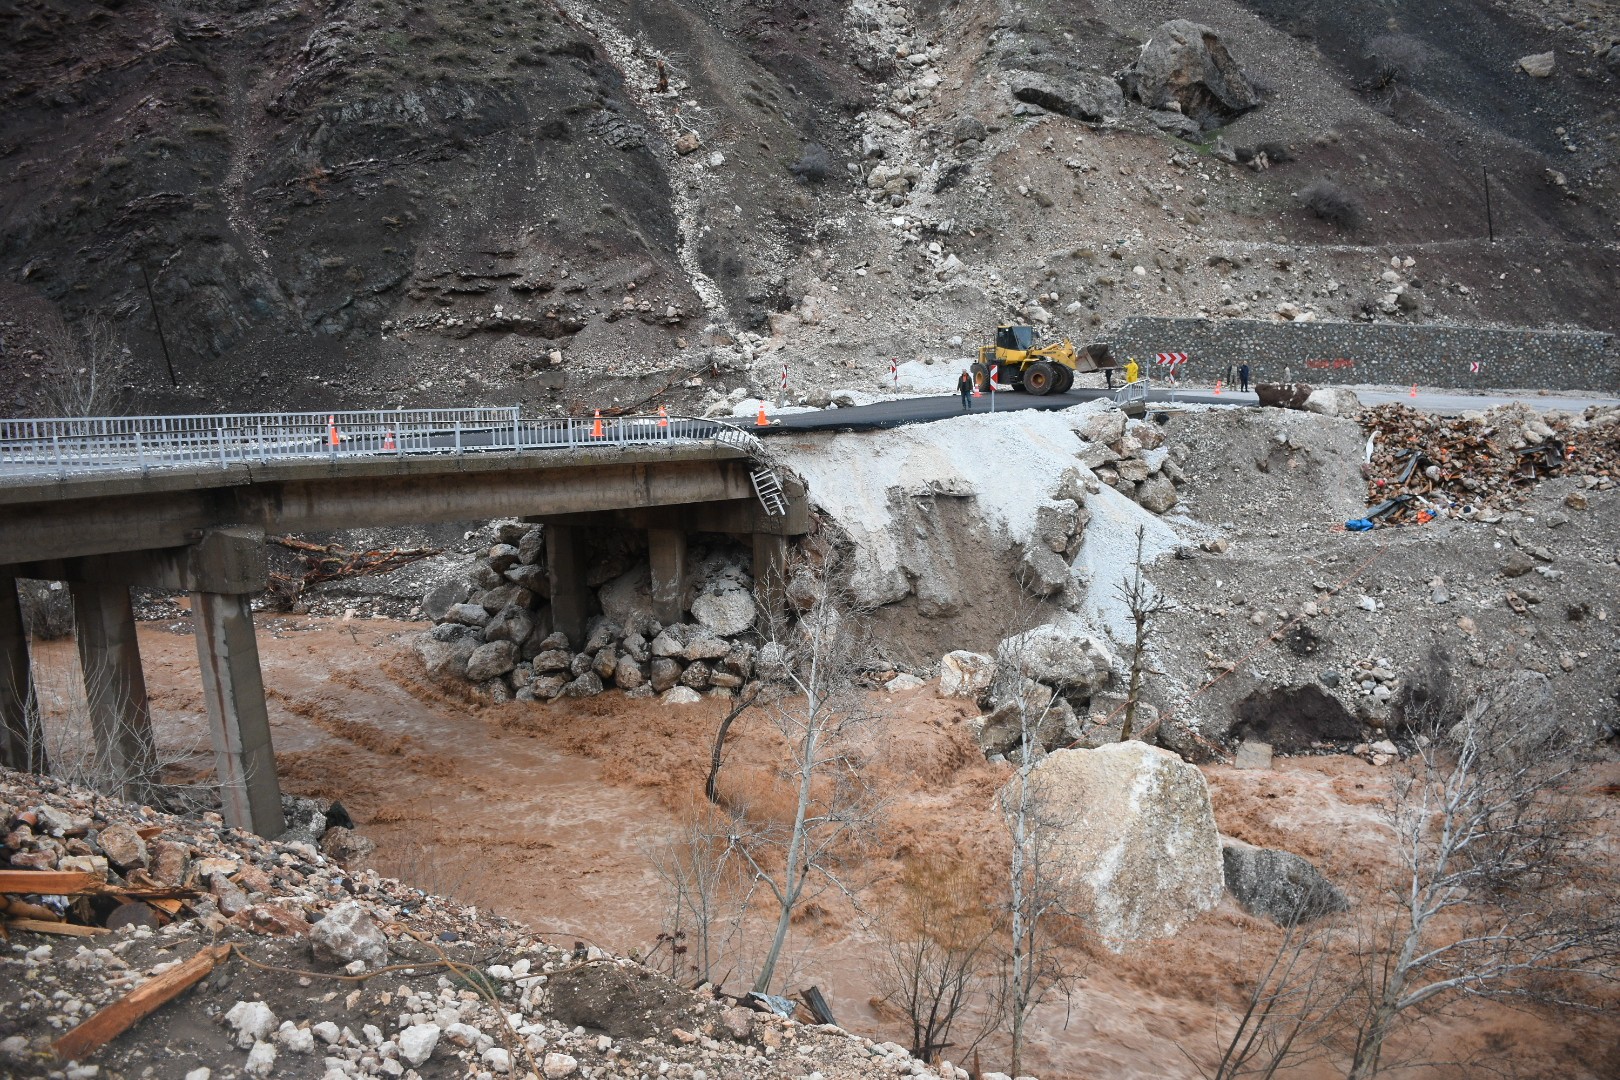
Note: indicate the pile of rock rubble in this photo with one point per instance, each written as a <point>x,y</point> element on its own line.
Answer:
<point>465,993</point>
<point>494,629</point>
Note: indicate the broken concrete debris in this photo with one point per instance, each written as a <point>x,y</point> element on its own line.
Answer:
<point>1478,465</point>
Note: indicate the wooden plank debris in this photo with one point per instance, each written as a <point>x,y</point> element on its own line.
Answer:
<point>47,882</point>
<point>811,996</point>
<point>110,1022</point>
<point>65,929</point>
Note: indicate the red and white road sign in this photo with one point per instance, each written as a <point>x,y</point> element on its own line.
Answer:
<point>1170,359</point>
<point>1474,366</point>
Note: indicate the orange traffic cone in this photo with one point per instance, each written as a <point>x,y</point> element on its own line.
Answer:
<point>1217,388</point>
<point>388,442</point>
<point>1414,391</point>
<point>663,417</point>
<point>762,420</point>
<point>596,428</point>
<point>332,432</point>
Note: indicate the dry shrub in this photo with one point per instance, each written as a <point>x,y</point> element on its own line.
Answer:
<point>1332,203</point>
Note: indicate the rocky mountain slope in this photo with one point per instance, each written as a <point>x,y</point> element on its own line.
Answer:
<point>586,203</point>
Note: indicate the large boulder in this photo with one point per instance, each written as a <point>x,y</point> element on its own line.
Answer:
<point>627,599</point>
<point>1093,98</point>
<point>1105,721</point>
<point>1134,847</point>
<point>1538,65</point>
<point>1156,494</point>
<point>725,613</point>
<point>446,660</point>
<point>513,624</point>
<point>1279,885</point>
<point>1333,401</point>
<point>437,601</point>
<point>965,674</point>
<point>348,933</point>
<point>1283,395</point>
<point>1186,64</point>
<point>491,660</point>
<point>1065,658</point>
<point>1042,571</point>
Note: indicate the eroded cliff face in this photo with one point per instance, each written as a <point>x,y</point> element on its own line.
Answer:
<point>408,198</point>
<point>587,203</point>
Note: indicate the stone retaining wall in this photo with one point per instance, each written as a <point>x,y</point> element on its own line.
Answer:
<point>1328,353</point>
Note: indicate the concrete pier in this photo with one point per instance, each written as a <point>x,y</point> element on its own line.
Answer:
<point>666,549</point>
<point>22,742</point>
<point>566,569</point>
<point>233,688</point>
<point>114,687</point>
<point>770,570</point>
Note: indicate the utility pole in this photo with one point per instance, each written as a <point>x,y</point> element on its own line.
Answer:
<point>1490,226</point>
<point>157,319</point>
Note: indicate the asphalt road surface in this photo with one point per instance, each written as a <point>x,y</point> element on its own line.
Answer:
<point>916,410</point>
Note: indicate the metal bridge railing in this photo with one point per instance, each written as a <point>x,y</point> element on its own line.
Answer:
<point>64,446</point>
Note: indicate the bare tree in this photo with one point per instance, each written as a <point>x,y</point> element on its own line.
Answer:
<point>1290,1007</point>
<point>938,955</point>
<point>86,372</point>
<point>1144,602</point>
<point>1492,891</point>
<point>709,888</point>
<point>1036,968</point>
<point>823,717</point>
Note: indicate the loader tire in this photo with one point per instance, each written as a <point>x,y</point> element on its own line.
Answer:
<point>1065,380</point>
<point>1040,378</point>
<point>981,377</point>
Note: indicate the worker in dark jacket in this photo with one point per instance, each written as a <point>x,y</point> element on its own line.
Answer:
<point>964,386</point>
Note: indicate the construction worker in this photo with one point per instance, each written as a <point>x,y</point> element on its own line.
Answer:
<point>1132,371</point>
<point>964,386</point>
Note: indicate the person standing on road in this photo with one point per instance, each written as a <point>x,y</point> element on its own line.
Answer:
<point>1243,377</point>
<point>964,386</point>
<point>1132,371</point>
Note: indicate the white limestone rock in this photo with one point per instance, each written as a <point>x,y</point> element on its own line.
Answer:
<point>1136,850</point>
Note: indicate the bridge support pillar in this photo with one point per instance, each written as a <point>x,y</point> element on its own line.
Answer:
<point>233,688</point>
<point>22,740</point>
<point>666,550</point>
<point>770,571</point>
<point>114,687</point>
<point>567,572</point>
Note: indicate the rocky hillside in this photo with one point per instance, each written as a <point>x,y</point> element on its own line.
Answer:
<point>588,203</point>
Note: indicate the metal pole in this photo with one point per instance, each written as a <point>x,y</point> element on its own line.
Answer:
<point>458,436</point>
<point>1490,226</point>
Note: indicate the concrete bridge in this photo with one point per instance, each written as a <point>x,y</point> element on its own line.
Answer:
<point>150,509</point>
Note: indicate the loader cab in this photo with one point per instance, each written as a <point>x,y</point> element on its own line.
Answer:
<point>1015,338</point>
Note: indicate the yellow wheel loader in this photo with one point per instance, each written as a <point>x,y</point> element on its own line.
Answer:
<point>1039,369</point>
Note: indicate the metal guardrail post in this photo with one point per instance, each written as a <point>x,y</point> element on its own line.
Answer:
<point>458,436</point>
